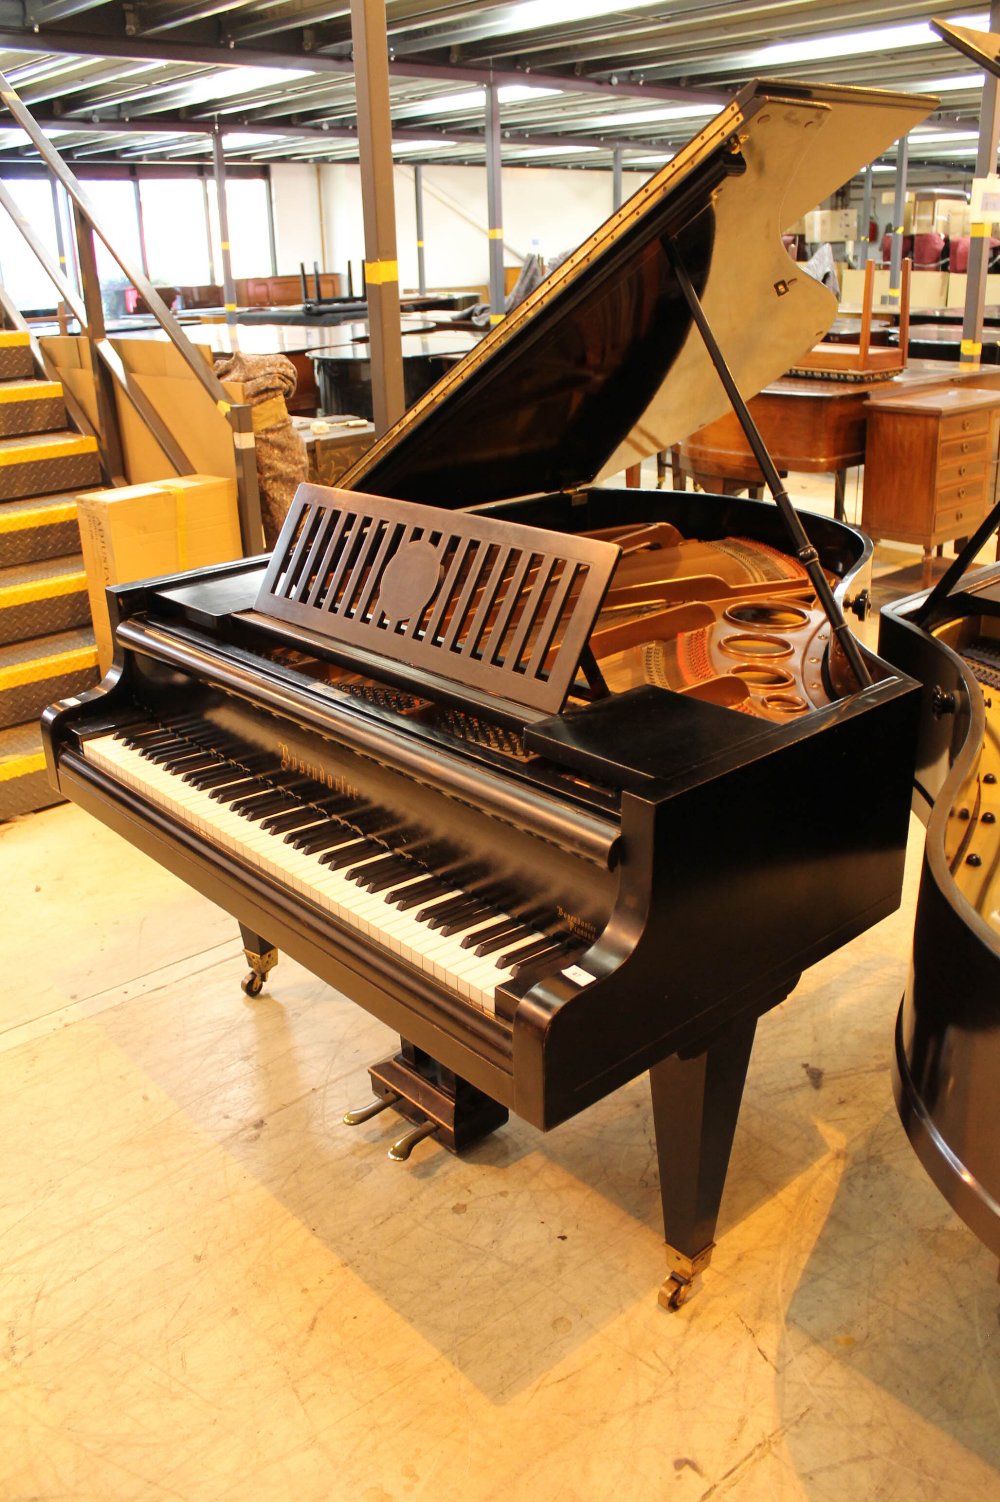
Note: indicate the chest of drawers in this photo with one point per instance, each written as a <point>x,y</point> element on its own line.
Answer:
<point>930,466</point>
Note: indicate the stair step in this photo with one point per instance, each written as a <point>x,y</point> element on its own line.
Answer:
<point>38,527</point>
<point>36,673</point>
<point>24,785</point>
<point>44,462</point>
<point>39,598</point>
<point>31,407</point>
<point>16,361</point>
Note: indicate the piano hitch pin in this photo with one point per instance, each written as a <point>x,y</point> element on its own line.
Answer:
<point>365,1113</point>
<point>403,1147</point>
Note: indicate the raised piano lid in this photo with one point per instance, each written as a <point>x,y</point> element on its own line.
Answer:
<point>601,366</point>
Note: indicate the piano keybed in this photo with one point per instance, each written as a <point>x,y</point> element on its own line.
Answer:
<point>354,859</point>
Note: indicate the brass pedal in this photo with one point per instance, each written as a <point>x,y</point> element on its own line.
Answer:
<point>374,1108</point>
<point>403,1146</point>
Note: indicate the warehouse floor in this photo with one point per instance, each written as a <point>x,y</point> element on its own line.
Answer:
<point>212,1288</point>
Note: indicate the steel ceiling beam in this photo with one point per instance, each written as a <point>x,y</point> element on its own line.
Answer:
<point>84,44</point>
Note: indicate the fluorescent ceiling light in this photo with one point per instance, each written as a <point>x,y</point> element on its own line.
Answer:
<point>949,85</point>
<point>654,117</point>
<point>225,83</point>
<point>554,150</point>
<point>233,139</point>
<point>659,160</point>
<point>920,138</point>
<point>471,99</point>
<point>13,137</point>
<point>856,43</point>
<point>530,15</point>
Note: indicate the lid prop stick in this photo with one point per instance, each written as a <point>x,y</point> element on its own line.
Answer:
<point>804,550</point>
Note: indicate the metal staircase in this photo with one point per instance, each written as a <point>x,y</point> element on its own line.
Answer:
<point>47,649</point>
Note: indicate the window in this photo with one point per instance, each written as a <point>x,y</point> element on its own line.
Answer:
<point>113,202</point>
<point>249,237</point>
<point>22,276</point>
<point>173,218</point>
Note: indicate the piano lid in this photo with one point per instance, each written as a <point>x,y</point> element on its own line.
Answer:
<point>601,366</point>
<point>982,47</point>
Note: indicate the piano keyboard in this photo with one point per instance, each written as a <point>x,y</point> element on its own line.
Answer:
<point>352,859</point>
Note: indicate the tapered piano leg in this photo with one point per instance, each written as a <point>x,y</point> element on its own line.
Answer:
<point>261,957</point>
<point>695,1106</point>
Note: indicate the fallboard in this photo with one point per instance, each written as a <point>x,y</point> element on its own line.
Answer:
<point>501,607</point>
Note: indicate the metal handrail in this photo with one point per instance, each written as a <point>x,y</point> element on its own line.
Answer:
<point>238,414</point>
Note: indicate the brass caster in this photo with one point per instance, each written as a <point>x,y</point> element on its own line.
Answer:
<point>261,966</point>
<point>680,1280</point>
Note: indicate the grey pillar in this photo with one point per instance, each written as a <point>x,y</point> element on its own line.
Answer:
<point>866,216</point>
<point>494,203</point>
<point>986,161</point>
<point>418,191</point>
<point>616,178</point>
<point>371,71</point>
<point>228,285</point>
<point>898,215</point>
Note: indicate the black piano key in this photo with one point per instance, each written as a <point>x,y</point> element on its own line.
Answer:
<point>557,954</point>
<point>190,761</point>
<point>498,930</point>
<point>214,778</point>
<point>347,855</point>
<point>442,911</point>
<point>256,805</point>
<point>515,956</point>
<point>379,875</point>
<point>295,818</point>
<point>234,790</point>
<point>320,836</point>
<point>464,921</point>
<point>501,941</point>
<point>384,882</point>
<point>417,893</point>
<point>542,955</point>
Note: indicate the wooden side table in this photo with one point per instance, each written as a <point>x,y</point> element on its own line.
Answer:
<point>930,465</point>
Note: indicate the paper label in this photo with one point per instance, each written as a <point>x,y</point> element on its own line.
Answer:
<point>578,975</point>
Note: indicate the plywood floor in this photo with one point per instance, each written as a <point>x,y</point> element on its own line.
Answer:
<point>211,1288</point>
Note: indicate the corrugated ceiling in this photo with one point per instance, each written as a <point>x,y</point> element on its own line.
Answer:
<point>146,81</point>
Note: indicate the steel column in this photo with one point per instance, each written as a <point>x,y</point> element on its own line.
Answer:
<point>371,62</point>
<point>616,179</point>
<point>494,203</point>
<point>107,410</point>
<point>986,162</point>
<point>228,285</point>
<point>898,216</point>
<point>866,216</point>
<point>418,193</point>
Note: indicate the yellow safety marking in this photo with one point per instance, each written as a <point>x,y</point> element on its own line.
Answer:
<point>224,407</point>
<point>21,452</point>
<point>230,307</point>
<point>29,391</point>
<point>12,338</point>
<point>979,231</point>
<point>224,244</point>
<point>495,234</point>
<point>12,595</point>
<point>75,661</point>
<point>894,292</point>
<point>970,347</point>
<point>899,230</point>
<point>497,317</point>
<point>381,272</point>
<point>420,244</point>
<point>22,766</point>
<point>23,521</point>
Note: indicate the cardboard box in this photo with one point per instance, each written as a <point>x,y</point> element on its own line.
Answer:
<point>831,224</point>
<point>139,531</point>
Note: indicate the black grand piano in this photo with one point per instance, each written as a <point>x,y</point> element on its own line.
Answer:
<point>563,781</point>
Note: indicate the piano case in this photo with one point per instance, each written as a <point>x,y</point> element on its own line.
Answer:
<point>424,666</point>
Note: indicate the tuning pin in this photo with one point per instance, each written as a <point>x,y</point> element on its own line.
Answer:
<point>401,1149</point>
<point>365,1113</point>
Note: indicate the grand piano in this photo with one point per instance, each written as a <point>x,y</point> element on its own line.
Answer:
<point>562,781</point>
